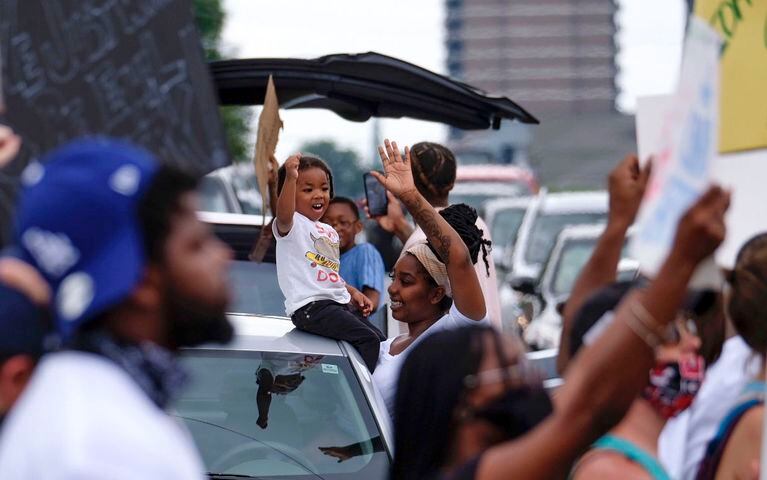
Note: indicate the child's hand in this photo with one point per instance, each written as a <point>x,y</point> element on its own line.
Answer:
<point>363,303</point>
<point>291,166</point>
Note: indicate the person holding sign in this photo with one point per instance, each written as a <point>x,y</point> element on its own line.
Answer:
<point>317,299</point>
<point>465,422</point>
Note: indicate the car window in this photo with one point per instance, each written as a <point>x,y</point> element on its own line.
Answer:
<point>213,196</point>
<point>256,290</point>
<point>268,415</point>
<point>246,190</point>
<point>506,225</point>
<point>574,256</point>
<point>546,227</point>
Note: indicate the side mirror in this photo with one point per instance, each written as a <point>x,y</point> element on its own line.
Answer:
<point>524,285</point>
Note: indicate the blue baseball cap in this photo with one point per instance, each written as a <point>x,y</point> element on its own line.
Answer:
<point>77,223</point>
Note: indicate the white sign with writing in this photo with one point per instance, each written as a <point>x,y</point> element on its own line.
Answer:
<point>687,144</point>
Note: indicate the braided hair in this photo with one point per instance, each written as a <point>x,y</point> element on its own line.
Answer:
<point>306,162</point>
<point>434,169</point>
<point>463,219</point>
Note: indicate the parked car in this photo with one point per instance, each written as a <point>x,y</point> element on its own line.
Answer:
<point>266,405</point>
<point>216,193</point>
<point>476,184</point>
<point>504,217</point>
<point>546,216</point>
<point>572,250</point>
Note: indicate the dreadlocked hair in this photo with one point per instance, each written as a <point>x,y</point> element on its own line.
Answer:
<point>306,162</point>
<point>434,169</point>
<point>463,219</point>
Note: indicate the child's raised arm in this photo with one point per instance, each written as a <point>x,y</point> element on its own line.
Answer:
<point>286,202</point>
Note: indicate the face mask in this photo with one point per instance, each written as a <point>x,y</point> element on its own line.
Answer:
<point>673,385</point>
<point>517,411</point>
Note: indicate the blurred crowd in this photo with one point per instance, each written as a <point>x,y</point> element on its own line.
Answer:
<point>111,273</point>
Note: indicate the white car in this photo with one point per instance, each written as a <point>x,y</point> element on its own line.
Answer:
<point>571,251</point>
<point>546,216</point>
<point>263,405</point>
<point>504,217</point>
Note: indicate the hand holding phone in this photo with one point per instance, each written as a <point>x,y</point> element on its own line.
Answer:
<point>375,193</point>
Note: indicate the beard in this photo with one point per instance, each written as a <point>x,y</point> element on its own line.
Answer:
<point>192,323</point>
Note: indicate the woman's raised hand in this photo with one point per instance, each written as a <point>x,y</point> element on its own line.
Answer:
<point>398,176</point>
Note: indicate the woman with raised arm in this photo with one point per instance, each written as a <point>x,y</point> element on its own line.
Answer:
<point>465,404</point>
<point>434,284</point>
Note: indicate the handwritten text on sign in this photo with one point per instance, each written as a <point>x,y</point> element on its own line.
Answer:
<point>127,68</point>
<point>686,149</point>
<point>743,26</point>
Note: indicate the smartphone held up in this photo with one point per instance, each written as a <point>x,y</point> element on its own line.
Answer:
<point>375,193</point>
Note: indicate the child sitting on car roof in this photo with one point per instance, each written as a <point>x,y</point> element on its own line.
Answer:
<point>317,298</point>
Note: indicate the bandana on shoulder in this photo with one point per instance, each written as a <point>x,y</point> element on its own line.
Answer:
<point>153,368</point>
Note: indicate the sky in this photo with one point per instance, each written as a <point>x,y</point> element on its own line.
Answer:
<point>649,41</point>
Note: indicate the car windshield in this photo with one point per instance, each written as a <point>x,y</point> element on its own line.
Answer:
<point>477,193</point>
<point>506,225</point>
<point>574,256</point>
<point>546,227</point>
<point>274,415</point>
<point>256,290</point>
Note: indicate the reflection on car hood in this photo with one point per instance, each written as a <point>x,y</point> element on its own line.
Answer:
<point>275,334</point>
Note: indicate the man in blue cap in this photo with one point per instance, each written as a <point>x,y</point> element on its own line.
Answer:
<point>24,297</point>
<point>134,276</point>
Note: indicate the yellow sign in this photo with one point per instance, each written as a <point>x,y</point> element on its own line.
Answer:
<point>743,99</point>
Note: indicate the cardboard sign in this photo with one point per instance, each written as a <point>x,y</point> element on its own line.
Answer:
<point>743,27</point>
<point>686,149</point>
<point>126,68</point>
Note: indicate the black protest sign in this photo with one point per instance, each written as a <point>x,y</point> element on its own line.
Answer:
<point>126,68</point>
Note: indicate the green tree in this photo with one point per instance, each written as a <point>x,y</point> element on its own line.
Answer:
<point>345,164</point>
<point>210,18</point>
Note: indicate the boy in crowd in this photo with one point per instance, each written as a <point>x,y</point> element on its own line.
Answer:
<point>361,265</point>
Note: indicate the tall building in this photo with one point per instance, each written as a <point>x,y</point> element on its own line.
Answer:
<point>554,57</point>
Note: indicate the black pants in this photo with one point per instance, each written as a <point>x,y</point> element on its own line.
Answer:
<point>335,320</point>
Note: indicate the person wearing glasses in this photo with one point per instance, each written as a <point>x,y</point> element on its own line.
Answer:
<point>361,265</point>
<point>466,408</point>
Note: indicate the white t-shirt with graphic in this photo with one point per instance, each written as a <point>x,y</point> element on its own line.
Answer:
<point>308,263</point>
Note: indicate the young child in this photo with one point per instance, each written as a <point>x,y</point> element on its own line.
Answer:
<point>361,265</point>
<point>316,297</point>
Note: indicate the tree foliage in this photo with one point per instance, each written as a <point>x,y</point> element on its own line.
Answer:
<point>344,163</point>
<point>210,18</point>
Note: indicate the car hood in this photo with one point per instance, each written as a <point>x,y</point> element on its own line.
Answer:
<point>360,86</point>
